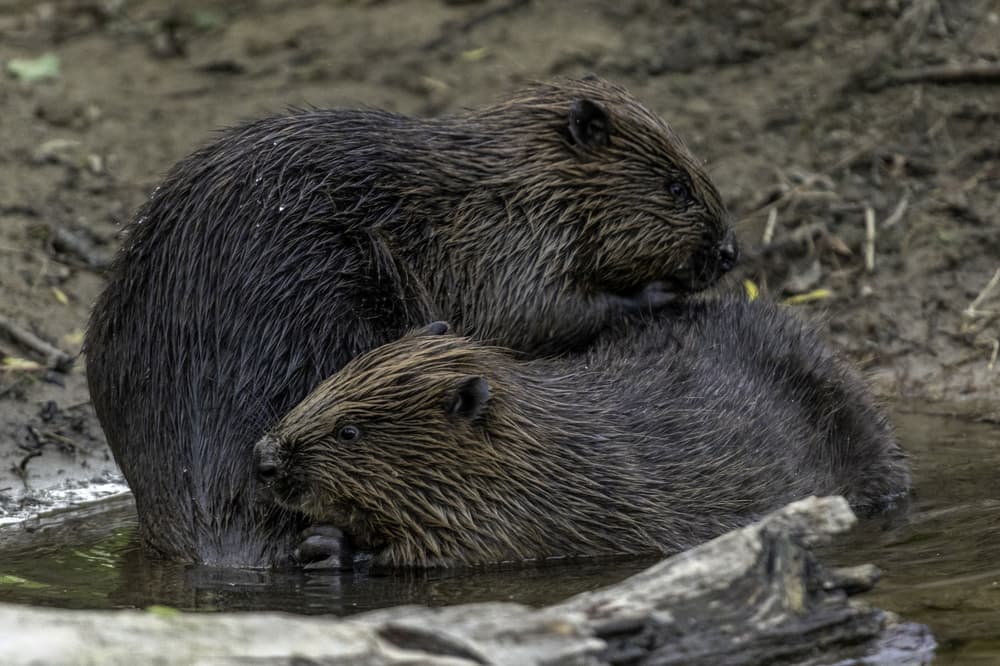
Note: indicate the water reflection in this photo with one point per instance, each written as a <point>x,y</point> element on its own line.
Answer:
<point>93,561</point>
<point>941,565</point>
<point>940,560</point>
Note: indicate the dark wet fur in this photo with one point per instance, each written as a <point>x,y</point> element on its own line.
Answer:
<point>662,436</point>
<point>268,259</point>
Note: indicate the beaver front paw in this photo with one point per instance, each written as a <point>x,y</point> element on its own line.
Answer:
<point>653,296</point>
<point>324,547</point>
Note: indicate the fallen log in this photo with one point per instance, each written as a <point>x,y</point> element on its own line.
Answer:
<point>753,596</point>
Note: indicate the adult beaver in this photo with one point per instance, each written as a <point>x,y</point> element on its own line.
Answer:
<point>268,259</point>
<point>437,450</point>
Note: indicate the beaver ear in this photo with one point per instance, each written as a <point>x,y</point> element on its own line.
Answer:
<point>433,328</point>
<point>589,124</point>
<point>468,397</point>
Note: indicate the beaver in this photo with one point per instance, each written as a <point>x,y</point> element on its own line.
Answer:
<point>268,259</point>
<point>437,450</point>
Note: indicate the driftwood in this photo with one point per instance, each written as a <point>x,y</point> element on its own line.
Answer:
<point>753,596</point>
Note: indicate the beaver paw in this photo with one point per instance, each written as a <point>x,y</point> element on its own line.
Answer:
<point>653,296</point>
<point>324,547</point>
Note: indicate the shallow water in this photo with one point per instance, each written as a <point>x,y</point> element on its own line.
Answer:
<point>940,561</point>
<point>77,564</point>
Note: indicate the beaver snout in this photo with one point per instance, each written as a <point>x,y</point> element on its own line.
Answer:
<point>728,252</point>
<point>265,453</point>
<point>710,262</point>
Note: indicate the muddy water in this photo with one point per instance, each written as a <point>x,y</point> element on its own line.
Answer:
<point>940,561</point>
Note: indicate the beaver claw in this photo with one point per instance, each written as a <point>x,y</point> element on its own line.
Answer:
<point>324,547</point>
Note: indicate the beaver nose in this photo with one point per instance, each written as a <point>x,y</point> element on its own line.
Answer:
<point>267,470</point>
<point>729,252</point>
<point>266,459</point>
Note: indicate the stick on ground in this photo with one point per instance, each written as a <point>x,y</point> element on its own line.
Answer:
<point>869,239</point>
<point>971,312</point>
<point>986,72</point>
<point>54,357</point>
<point>898,212</point>
<point>772,221</point>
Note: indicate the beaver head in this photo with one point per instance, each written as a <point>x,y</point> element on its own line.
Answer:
<point>612,176</point>
<point>424,450</point>
<point>574,188</point>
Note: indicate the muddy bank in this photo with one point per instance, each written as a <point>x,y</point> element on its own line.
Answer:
<point>52,451</point>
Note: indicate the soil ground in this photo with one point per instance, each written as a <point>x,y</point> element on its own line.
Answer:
<point>809,115</point>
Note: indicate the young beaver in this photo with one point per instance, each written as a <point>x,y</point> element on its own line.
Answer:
<point>436,450</point>
<point>268,259</point>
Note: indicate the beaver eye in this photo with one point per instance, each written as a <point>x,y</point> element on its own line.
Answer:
<point>348,434</point>
<point>679,191</point>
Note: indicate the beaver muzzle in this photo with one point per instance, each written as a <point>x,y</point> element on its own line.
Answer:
<point>266,461</point>
<point>708,266</point>
<point>728,252</point>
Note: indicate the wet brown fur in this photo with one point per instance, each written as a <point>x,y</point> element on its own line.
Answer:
<point>654,442</point>
<point>269,258</point>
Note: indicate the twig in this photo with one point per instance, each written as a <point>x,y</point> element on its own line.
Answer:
<point>869,239</point>
<point>19,209</point>
<point>993,357</point>
<point>898,211</point>
<point>971,312</point>
<point>463,27</point>
<point>986,72</point>
<point>868,73</point>
<point>64,443</point>
<point>804,234</point>
<point>66,241</point>
<point>36,437</point>
<point>792,193</point>
<point>21,469</point>
<point>772,221</point>
<point>16,365</point>
<point>54,357</point>
<point>803,189</point>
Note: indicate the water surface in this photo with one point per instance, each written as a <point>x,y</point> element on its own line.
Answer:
<point>940,560</point>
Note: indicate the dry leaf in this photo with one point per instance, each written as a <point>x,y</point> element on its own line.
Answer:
<point>16,363</point>
<point>809,297</point>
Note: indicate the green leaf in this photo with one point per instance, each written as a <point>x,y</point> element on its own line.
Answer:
<point>17,581</point>
<point>29,70</point>
<point>163,611</point>
<point>206,19</point>
<point>475,55</point>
